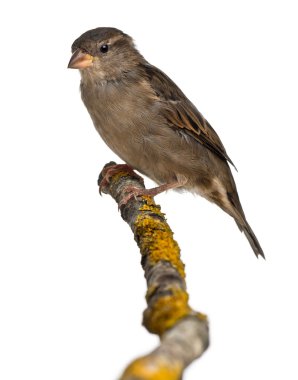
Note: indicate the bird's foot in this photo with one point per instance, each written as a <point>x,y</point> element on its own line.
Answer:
<point>135,192</point>
<point>108,172</point>
<point>132,192</point>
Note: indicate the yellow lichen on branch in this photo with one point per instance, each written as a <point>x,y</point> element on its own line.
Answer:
<point>166,311</point>
<point>152,367</point>
<point>155,238</point>
<point>183,332</point>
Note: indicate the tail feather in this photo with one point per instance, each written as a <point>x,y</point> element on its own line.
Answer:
<point>236,211</point>
<point>228,200</point>
<point>251,237</point>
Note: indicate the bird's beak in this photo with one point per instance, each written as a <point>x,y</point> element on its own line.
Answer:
<point>80,60</point>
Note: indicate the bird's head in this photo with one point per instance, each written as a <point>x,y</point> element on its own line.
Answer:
<point>104,53</point>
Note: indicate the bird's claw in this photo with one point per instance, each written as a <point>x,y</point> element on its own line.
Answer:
<point>131,192</point>
<point>108,172</point>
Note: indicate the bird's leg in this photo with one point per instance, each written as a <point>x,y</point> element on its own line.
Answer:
<point>135,192</point>
<point>108,172</point>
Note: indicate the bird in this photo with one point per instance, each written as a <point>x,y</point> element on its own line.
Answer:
<point>146,119</point>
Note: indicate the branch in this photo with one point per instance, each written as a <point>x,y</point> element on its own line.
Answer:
<point>183,332</point>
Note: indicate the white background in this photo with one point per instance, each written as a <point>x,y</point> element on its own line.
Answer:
<point>71,285</point>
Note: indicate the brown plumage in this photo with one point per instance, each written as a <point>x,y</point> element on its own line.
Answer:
<point>150,124</point>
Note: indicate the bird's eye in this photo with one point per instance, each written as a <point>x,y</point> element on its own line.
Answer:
<point>104,48</point>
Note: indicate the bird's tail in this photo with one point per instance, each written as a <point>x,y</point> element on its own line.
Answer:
<point>228,200</point>
<point>236,211</point>
<point>251,237</point>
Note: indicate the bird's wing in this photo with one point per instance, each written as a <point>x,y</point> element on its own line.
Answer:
<point>181,113</point>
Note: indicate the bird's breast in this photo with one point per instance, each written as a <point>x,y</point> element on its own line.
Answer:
<point>122,115</point>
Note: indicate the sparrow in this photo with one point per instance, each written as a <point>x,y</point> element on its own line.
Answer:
<point>144,117</point>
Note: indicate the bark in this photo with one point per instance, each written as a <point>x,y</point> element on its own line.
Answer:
<point>183,332</point>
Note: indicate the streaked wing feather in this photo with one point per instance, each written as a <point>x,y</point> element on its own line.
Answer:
<point>181,113</point>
